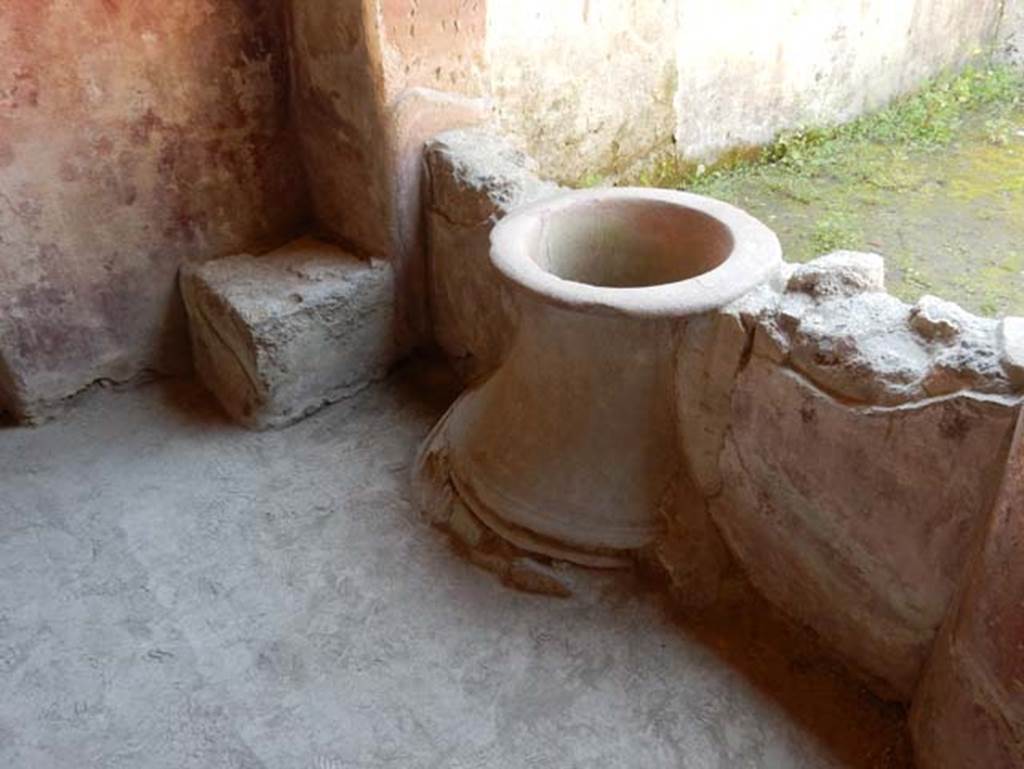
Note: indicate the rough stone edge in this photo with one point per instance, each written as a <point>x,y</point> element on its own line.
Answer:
<point>202,331</point>
<point>414,117</point>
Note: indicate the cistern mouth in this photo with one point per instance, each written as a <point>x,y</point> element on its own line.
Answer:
<point>631,243</point>
<point>634,251</point>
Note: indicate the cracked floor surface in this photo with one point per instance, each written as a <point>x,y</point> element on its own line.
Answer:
<point>178,592</point>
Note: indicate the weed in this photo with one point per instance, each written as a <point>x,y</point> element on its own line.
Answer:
<point>592,180</point>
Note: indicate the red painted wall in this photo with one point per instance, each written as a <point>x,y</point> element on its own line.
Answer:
<point>134,135</point>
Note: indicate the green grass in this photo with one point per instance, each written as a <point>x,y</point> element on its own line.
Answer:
<point>835,230</point>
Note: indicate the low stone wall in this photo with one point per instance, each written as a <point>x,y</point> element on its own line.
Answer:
<point>842,447</point>
<point>864,445</point>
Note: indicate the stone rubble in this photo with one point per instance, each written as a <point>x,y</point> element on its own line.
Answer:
<point>437,500</point>
<point>532,576</point>
<point>835,325</point>
<point>841,273</point>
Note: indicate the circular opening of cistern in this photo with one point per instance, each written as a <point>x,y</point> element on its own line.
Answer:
<point>630,243</point>
<point>633,251</point>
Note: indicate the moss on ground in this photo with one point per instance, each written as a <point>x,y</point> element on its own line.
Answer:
<point>935,183</point>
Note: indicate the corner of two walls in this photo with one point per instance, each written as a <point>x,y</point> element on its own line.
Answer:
<point>199,132</point>
<point>336,100</point>
<point>373,81</point>
<point>132,140</point>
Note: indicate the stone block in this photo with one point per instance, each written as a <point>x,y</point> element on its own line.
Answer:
<point>276,337</point>
<point>936,319</point>
<point>417,115</point>
<point>841,273</point>
<point>860,348</point>
<point>855,455</point>
<point>848,447</point>
<point>868,347</point>
<point>475,178</point>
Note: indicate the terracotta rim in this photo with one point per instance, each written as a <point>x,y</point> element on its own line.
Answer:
<point>754,257</point>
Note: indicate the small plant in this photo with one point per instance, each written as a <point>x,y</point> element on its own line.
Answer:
<point>663,172</point>
<point>591,180</point>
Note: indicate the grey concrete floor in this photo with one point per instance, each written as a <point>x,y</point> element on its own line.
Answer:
<point>178,592</point>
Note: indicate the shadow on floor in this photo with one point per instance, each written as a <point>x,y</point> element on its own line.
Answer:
<point>193,403</point>
<point>788,664</point>
<point>428,380</point>
<point>423,379</point>
<point>782,663</point>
